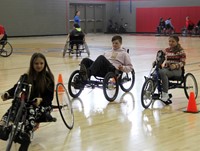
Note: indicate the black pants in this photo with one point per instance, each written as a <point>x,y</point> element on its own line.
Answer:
<point>100,67</point>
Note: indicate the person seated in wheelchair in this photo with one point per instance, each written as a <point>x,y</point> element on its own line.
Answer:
<point>168,25</point>
<point>117,60</point>
<point>76,37</point>
<point>41,78</point>
<point>3,35</point>
<point>161,26</point>
<point>172,64</point>
<point>189,25</point>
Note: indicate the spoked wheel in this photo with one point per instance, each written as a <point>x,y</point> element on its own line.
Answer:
<point>75,84</point>
<point>65,48</point>
<point>127,81</point>
<point>64,105</point>
<point>6,50</point>
<point>147,92</point>
<point>190,85</point>
<point>110,86</point>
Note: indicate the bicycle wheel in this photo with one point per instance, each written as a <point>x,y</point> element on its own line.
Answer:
<point>110,86</point>
<point>6,50</point>
<point>16,123</point>
<point>147,92</point>
<point>190,85</point>
<point>75,85</point>
<point>64,106</point>
<point>127,80</point>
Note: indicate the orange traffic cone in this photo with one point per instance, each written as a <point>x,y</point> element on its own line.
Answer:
<point>60,80</point>
<point>192,107</point>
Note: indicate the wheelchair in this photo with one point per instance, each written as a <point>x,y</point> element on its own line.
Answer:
<point>110,83</point>
<point>15,125</point>
<point>6,48</point>
<point>152,87</point>
<point>76,45</point>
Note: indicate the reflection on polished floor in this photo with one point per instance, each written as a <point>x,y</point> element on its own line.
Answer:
<point>122,125</point>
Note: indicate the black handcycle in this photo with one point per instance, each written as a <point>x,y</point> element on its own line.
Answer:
<point>110,83</point>
<point>152,87</point>
<point>6,48</point>
<point>15,125</point>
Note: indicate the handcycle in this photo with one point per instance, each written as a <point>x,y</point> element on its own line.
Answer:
<point>152,87</point>
<point>15,125</point>
<point>76,45</point>
<point>110,83</point>
<point>6,48</point>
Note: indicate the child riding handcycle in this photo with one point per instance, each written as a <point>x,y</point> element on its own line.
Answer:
<point>168,73</point>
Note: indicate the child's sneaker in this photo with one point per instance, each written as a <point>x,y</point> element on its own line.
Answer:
<point>165,96</point>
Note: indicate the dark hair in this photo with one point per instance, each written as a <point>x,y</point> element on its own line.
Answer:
<point>174,37</point>
<point>43,77</point>
<point>76,25</point>
<point>117,37</point>
<point>76,12</point>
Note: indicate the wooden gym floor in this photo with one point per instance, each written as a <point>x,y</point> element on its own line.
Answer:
<point>122,125</point>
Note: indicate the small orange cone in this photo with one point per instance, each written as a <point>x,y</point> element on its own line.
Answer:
<point>60,80</point>
<point>192,107</point>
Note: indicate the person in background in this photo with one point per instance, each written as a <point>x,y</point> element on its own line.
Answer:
<point>172,66</point>
<point>77,17</point>
<point>3,35</point>
<point>189,25</point>
<point>161,26</point>
<point>169,26</point>
<point>41,78</point>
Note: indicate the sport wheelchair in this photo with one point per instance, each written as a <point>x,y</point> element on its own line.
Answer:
<point>76,45</point>
<point>152,87</point>
<point>110,83</point>
<point>6,48</point>
<point>21,107</point>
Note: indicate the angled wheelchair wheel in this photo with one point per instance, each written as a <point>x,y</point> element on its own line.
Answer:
<point>127,80</point>
<point>148,89</point>
<point>64,106</point>
<point>75,85</point>
<point>190,85</point>
<point>110,86</point>
<point>6,50</point>
<point>65,48</point>
<point>87,49</point>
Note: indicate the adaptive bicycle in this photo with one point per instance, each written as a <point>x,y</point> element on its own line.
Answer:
<point>152,87</point>
<point>15,125</point>
<point>110,83</point>
<point>6,48</point>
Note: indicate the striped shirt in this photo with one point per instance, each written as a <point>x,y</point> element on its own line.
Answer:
<point>175,56</point>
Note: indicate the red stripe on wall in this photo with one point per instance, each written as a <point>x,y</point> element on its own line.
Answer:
<point>147,19</point>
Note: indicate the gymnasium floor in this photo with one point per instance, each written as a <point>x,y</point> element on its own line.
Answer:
<point>122,125</point>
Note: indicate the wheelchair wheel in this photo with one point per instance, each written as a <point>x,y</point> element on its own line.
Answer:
<point>87,49</point>
<point>190,85</point>
<point>64,106</point>
<point>110,86</point>
<point>75,85</point>
<point>6,50</point>
<point>147,92</point>
<point>65,48</point>
<point>127,81</point>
